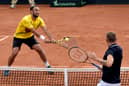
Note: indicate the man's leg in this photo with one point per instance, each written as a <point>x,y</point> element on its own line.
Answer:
<point>38,48</point>
<point>13,3</point>
<point>13,55</point>
<point>31,2</point>
<point>11,59</point>
<point>33,44</point>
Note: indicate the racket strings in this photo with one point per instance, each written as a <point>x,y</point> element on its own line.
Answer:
<point>78,54</point>
<point>71,42</point>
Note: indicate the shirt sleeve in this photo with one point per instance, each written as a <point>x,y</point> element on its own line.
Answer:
<point>42,23</point>
<point>110,52</point>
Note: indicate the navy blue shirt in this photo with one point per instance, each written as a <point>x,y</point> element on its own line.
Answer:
<point>112,74</point>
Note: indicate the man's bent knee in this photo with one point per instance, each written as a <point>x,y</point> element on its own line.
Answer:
<point>15,50</point>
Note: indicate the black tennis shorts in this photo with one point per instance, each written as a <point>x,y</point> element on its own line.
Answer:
<point>17,42</point>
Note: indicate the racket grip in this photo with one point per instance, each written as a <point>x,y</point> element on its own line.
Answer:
<point>97,66</point>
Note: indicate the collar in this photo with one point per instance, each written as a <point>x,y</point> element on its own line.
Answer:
<point>113,45</point>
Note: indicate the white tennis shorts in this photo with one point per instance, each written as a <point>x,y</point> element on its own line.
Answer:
<point>102,83</point>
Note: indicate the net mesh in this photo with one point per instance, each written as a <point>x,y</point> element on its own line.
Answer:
<point>24,76</point>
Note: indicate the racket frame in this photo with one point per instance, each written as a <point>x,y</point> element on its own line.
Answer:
<point>86,60</point>
<point>74,59</point>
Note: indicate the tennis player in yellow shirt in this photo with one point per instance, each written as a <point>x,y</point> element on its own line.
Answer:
<point>25,32</point>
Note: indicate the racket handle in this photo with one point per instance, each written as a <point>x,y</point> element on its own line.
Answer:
<point>97,66</point>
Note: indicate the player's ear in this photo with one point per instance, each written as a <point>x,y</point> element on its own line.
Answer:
<point>31,11</point>
<point>107,40</point>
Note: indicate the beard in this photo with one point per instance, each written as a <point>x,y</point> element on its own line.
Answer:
<point>35,16</point>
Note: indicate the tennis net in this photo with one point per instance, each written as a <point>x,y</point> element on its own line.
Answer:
<point>27,76</point>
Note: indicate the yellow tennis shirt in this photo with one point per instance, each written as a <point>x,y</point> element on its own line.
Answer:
<point>27,22</point>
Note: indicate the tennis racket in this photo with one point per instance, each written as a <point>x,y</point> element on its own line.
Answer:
<point>66,42</point>
<point>75,53</point>
<point>79,55</point>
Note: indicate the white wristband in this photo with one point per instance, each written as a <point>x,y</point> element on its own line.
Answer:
<point>42,37</point>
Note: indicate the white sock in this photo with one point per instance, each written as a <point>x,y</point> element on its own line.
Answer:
<point>47,64</point>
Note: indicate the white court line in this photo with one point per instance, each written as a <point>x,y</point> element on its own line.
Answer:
<point>5,37</point>
<point>60,66</point>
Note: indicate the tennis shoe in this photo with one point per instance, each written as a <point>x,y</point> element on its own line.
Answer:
<point>50,72</point>
<point>6,72</point>
<point>49,66</point>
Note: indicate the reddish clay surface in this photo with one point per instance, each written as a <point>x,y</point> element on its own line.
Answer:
<point>89,24</point>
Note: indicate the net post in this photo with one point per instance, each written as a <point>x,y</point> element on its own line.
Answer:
<point>65,77</point>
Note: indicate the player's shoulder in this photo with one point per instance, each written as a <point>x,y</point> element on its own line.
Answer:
<point>26,17</point>
<point>40,18</point>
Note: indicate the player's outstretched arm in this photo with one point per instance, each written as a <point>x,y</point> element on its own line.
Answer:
<point>47,33</point>
<point>107,62</point>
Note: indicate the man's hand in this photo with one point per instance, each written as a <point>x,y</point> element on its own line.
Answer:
<point>92,55</point>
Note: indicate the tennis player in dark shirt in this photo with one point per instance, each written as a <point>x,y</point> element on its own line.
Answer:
<point>111,62</point>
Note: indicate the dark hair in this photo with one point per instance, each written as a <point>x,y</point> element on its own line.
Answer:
<point>111,37</point>
<point>32,7</point>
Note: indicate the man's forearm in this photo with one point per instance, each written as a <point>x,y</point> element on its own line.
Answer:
<point>35,33</point>
<point>101,61</point>
<point>47,33</point>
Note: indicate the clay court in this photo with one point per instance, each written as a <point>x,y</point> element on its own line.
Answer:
<point>88,24</point>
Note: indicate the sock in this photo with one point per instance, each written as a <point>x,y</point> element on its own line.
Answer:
<point>47,64</point>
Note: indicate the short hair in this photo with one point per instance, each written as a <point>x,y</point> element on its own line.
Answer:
<point>111,37</point>
<point>32,7</point>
